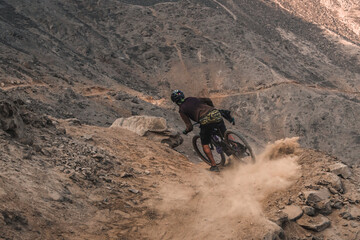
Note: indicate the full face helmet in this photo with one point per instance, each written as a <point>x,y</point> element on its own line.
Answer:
<point>177,96</point>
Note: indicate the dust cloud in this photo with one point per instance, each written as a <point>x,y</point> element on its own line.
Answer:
<point>228,205</point>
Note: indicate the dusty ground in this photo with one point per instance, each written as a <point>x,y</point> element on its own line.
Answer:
<point>66,180</point>
<point>80,187</point>
<point>69,69</point>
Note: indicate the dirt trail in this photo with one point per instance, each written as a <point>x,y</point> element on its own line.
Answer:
<point>23,86</point>
<point>224,94</point>
<point>225,205</point>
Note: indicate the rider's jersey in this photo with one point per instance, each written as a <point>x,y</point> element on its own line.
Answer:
<point>194,109</point>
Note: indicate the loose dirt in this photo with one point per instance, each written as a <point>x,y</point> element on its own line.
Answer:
<point>228,205</point>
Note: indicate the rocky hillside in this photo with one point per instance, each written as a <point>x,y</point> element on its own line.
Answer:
<point>69,69</point>
<point>61,179</point>
<point>285,68</point>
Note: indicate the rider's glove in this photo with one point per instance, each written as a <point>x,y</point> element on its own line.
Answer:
<point>185,132</point>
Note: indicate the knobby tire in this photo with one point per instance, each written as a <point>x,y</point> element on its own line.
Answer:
<point>240,139</point>
<point>196,140</point>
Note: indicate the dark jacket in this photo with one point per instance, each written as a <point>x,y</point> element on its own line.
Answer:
<point>194,109</point>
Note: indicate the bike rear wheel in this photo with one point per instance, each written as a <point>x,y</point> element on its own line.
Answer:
<point>217,152</point>
<point>240,147</point>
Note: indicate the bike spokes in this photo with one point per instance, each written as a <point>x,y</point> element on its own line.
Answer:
<point>241,149</point>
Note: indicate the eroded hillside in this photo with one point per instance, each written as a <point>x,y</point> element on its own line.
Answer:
<point>69,69</point>
<point>259,58</point>
<point>61,179</point>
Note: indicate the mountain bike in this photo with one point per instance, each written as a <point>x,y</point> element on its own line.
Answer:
<point>229,144</point>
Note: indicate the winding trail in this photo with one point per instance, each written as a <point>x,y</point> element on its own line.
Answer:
<point>264,88</point>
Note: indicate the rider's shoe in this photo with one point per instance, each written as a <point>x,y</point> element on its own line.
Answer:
<point>214,169</point>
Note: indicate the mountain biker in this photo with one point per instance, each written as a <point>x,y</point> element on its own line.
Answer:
<point>200,110</point>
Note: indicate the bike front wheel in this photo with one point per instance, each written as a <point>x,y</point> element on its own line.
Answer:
<point>217,151</point>
<point>240,147</point>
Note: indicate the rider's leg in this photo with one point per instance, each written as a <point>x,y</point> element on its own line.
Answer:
<point>209,154</point>
<point>205,135</point>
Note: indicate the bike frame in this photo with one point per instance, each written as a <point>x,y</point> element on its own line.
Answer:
<point>221,143</point>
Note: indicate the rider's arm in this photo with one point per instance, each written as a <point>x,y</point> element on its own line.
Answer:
<point>186,119</point>
<point>207,101</point>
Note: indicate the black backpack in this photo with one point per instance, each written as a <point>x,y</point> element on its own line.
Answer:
<point>227,115</point>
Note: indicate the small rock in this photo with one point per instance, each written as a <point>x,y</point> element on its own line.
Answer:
<point>354,224</point>
<point>310,211</point>
<point>73,121</point>
<point>341,169</point>
<point>313,197</point>
<point>135,100</point>
<point>346,215</point>
<point>88,137</point>
<point>349,200</point>
<point>294,212</point>
<point>273,232</point>
<point>333,180</point>
<point>99,156</point>
<point>289,202</point>
<point>46,152</point>
<point>317,223</point>
<point>278,217</point>
<point>338,205</point>
<point>133,190</point>
<point>28,155</point>
<point>301,196</point>
<point>332,190</point>
<point>123,185</point>
<point>324,207</point>
<point>126,175</point>
<point>122,214</point>
<point>147,172</point>
<point>354,211</point>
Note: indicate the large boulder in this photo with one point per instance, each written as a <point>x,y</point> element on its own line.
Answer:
<point>154,128</point>
<point>142,124</point>
<point>10,119</point>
